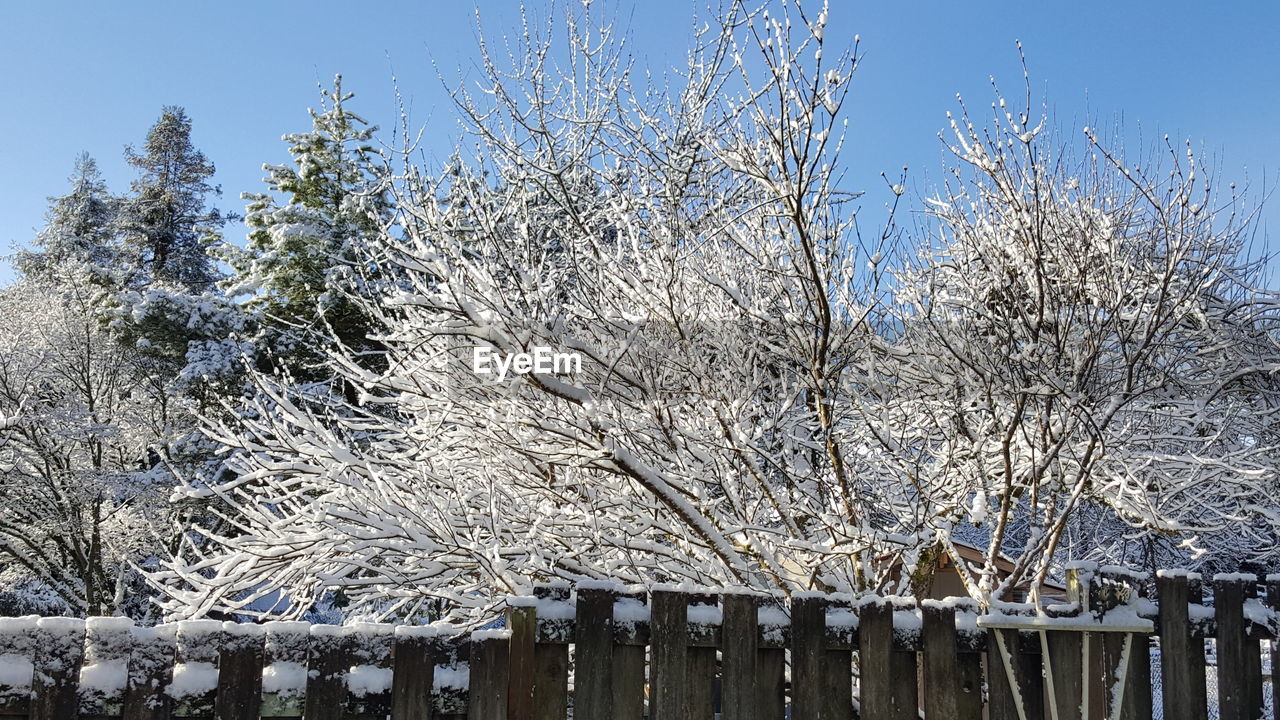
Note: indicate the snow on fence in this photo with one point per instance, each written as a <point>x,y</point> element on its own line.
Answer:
<point>603,653</point>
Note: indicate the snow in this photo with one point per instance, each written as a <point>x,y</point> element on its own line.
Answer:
<point>518,601</point>
<point>109,677</point>
<point>365,680</point>
<point>417,631</point>
<point>108,624</point>
<point>839,617</point>
<point>1235,577</point>
<point>284,678</point>
<point>704,615</point>
<point>1177,573</point>
<point>193,678</point>
<point>456,678</point>
<point>630,611</point>
<point>493,634</point>
<point>198,629</point>
<point>15,671</point>
<point>773,615</point>
<point>63,626</point>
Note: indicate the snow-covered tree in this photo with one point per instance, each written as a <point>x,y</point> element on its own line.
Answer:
<point>757,401</point>
<point>300,264</point>
<point>709,277</point>
<point>165,220</point>
<point>82,489</point>
<point>1086,339</point>
<point>80,231</point>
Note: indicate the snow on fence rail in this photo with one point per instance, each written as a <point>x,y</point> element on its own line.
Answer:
<point>610,653</point>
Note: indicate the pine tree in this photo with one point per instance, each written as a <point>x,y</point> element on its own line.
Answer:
<point>80,232</point>
<point>300,258</point>
<point>166,221</point>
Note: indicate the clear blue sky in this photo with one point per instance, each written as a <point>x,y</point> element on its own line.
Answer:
<point>92,76</point>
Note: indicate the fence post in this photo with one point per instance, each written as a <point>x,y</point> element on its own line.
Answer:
<point>1273,601</point>
<point>884,694</point>
<point>1184,695</point>
<point>239,673</point>
<point>773,626</point>
<point>522,620</point>
<point>631,636</point>
<point>808,642</point>
<point>704,619</point>
<point>551,653</point>
<point>327,664</point>
<point>668,653</point>
<point>1239,686</point>
<point>56,681</point>
<point>487,691</point>
<point>740,635</point>
<point>150,670</point>
<point>941,669</point>
<point>413,673</point>
<point>593,666</point>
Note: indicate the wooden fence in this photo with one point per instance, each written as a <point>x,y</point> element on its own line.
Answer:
<point>604,653</point>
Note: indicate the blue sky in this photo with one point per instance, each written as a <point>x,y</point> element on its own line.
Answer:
<point>93,76</point>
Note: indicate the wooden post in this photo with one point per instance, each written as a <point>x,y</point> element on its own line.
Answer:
<point>881,696</point>
<point>1067,664</point>
<point>1273,601</point>
<point>1239,691</point>
<point>704,631</point>
<point>808,642</point>
<point>593,666</point>
<point>551,654</point>
<point>631,636</point>
<point>18,638</point>
<point>941,669</point>
<point>522,620</point>
<point>490,658</point>
<point>108,642</point>
<point>413,673</point>
<point>774,634</point>
<point>327,665</point>
<point>56,682</point>
<point>285,649</point>
<point>740,635</point>
<point>1182,656</point>
<point>668,652</point>
<point>239,673</point>
<point>150,671</point>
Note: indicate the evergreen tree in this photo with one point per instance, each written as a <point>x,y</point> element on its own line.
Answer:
<point>166,221</point>
<point>300,261</point>
<point>80,232</point>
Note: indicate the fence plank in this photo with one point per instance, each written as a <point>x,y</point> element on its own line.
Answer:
<point>941,668</point>
<point>970,699</point>
<point>1239,687</point>
<point>593,666</point>
<point>668,653</point>
<point>1273,601</point>
<point>1184,694</point>
<point>150,670</point>
<point>881,695</point>
<point>551,663</point>
<point>740,635</point>
<point>490,659</point>
<point>631,638</point>
<point>56,681</point>
<point>523,623</point>
<point>239,673</point>
<point>327,664</point>
<point>808,638</point>
<point>413,672</point>
<point>771,661</point>
<point>704,630</point>
<point>1066,662</point>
